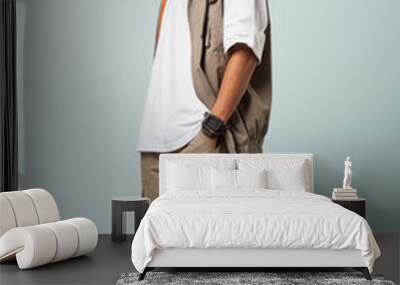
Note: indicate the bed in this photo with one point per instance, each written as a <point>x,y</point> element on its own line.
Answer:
<point>246,211</point>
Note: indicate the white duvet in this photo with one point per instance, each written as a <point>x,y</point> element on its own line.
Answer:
<point>250,219</point>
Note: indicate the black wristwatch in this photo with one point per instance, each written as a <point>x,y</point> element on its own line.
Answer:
<point>212,126</point>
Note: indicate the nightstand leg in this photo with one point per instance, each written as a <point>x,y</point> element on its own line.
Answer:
<point>117,222</point>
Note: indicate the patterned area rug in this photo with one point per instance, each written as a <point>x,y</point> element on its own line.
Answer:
<point>243,278</point>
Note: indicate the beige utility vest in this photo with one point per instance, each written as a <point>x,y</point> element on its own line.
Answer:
<point>249,123</point>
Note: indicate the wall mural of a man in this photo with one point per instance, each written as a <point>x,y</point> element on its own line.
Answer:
<point>210,86</point>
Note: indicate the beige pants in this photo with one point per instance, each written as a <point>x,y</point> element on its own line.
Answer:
<point>149,163</point>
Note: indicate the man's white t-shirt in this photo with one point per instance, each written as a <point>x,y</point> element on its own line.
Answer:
<point>173,113</point>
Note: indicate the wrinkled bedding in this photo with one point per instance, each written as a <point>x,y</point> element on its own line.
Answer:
<point>251,218</point>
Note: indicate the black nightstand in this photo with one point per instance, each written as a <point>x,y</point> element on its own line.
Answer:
<point>123,204</point>
<point>358,206</point>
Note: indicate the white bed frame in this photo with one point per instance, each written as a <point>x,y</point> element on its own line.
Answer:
<point>251,258</point>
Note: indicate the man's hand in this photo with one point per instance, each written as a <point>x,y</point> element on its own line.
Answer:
<point>238,72</point>
<point>201,144</point>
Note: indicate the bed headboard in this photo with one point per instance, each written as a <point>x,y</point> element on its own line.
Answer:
<point>214,158</point>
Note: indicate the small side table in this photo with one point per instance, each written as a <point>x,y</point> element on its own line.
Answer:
<point>123,204</point>
<point>358,205</point>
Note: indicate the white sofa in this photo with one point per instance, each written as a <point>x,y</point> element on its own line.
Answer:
<point>31,231</point>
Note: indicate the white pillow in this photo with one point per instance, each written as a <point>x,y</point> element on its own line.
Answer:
<point>188,177</point>
<point>290,179</point>
<point>186,174</point>
<point>251,178</point>
<point>281,174</point>
<point>225,179</point>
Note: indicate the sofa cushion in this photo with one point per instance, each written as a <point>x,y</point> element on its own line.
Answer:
<point>27,208</point>
<point>41,244</point>
<point>7,215</point>
<point>45,205</point>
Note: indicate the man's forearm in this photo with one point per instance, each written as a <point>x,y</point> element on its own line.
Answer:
<point>160,19</point>
<point>238,72</point>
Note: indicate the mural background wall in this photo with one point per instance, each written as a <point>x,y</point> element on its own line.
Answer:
<point>83,69</point>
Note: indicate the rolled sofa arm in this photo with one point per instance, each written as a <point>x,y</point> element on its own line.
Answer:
<point>45,243</point>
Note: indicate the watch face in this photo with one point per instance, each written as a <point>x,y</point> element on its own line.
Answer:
<point>213,126</point>
<point>214,122</point>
